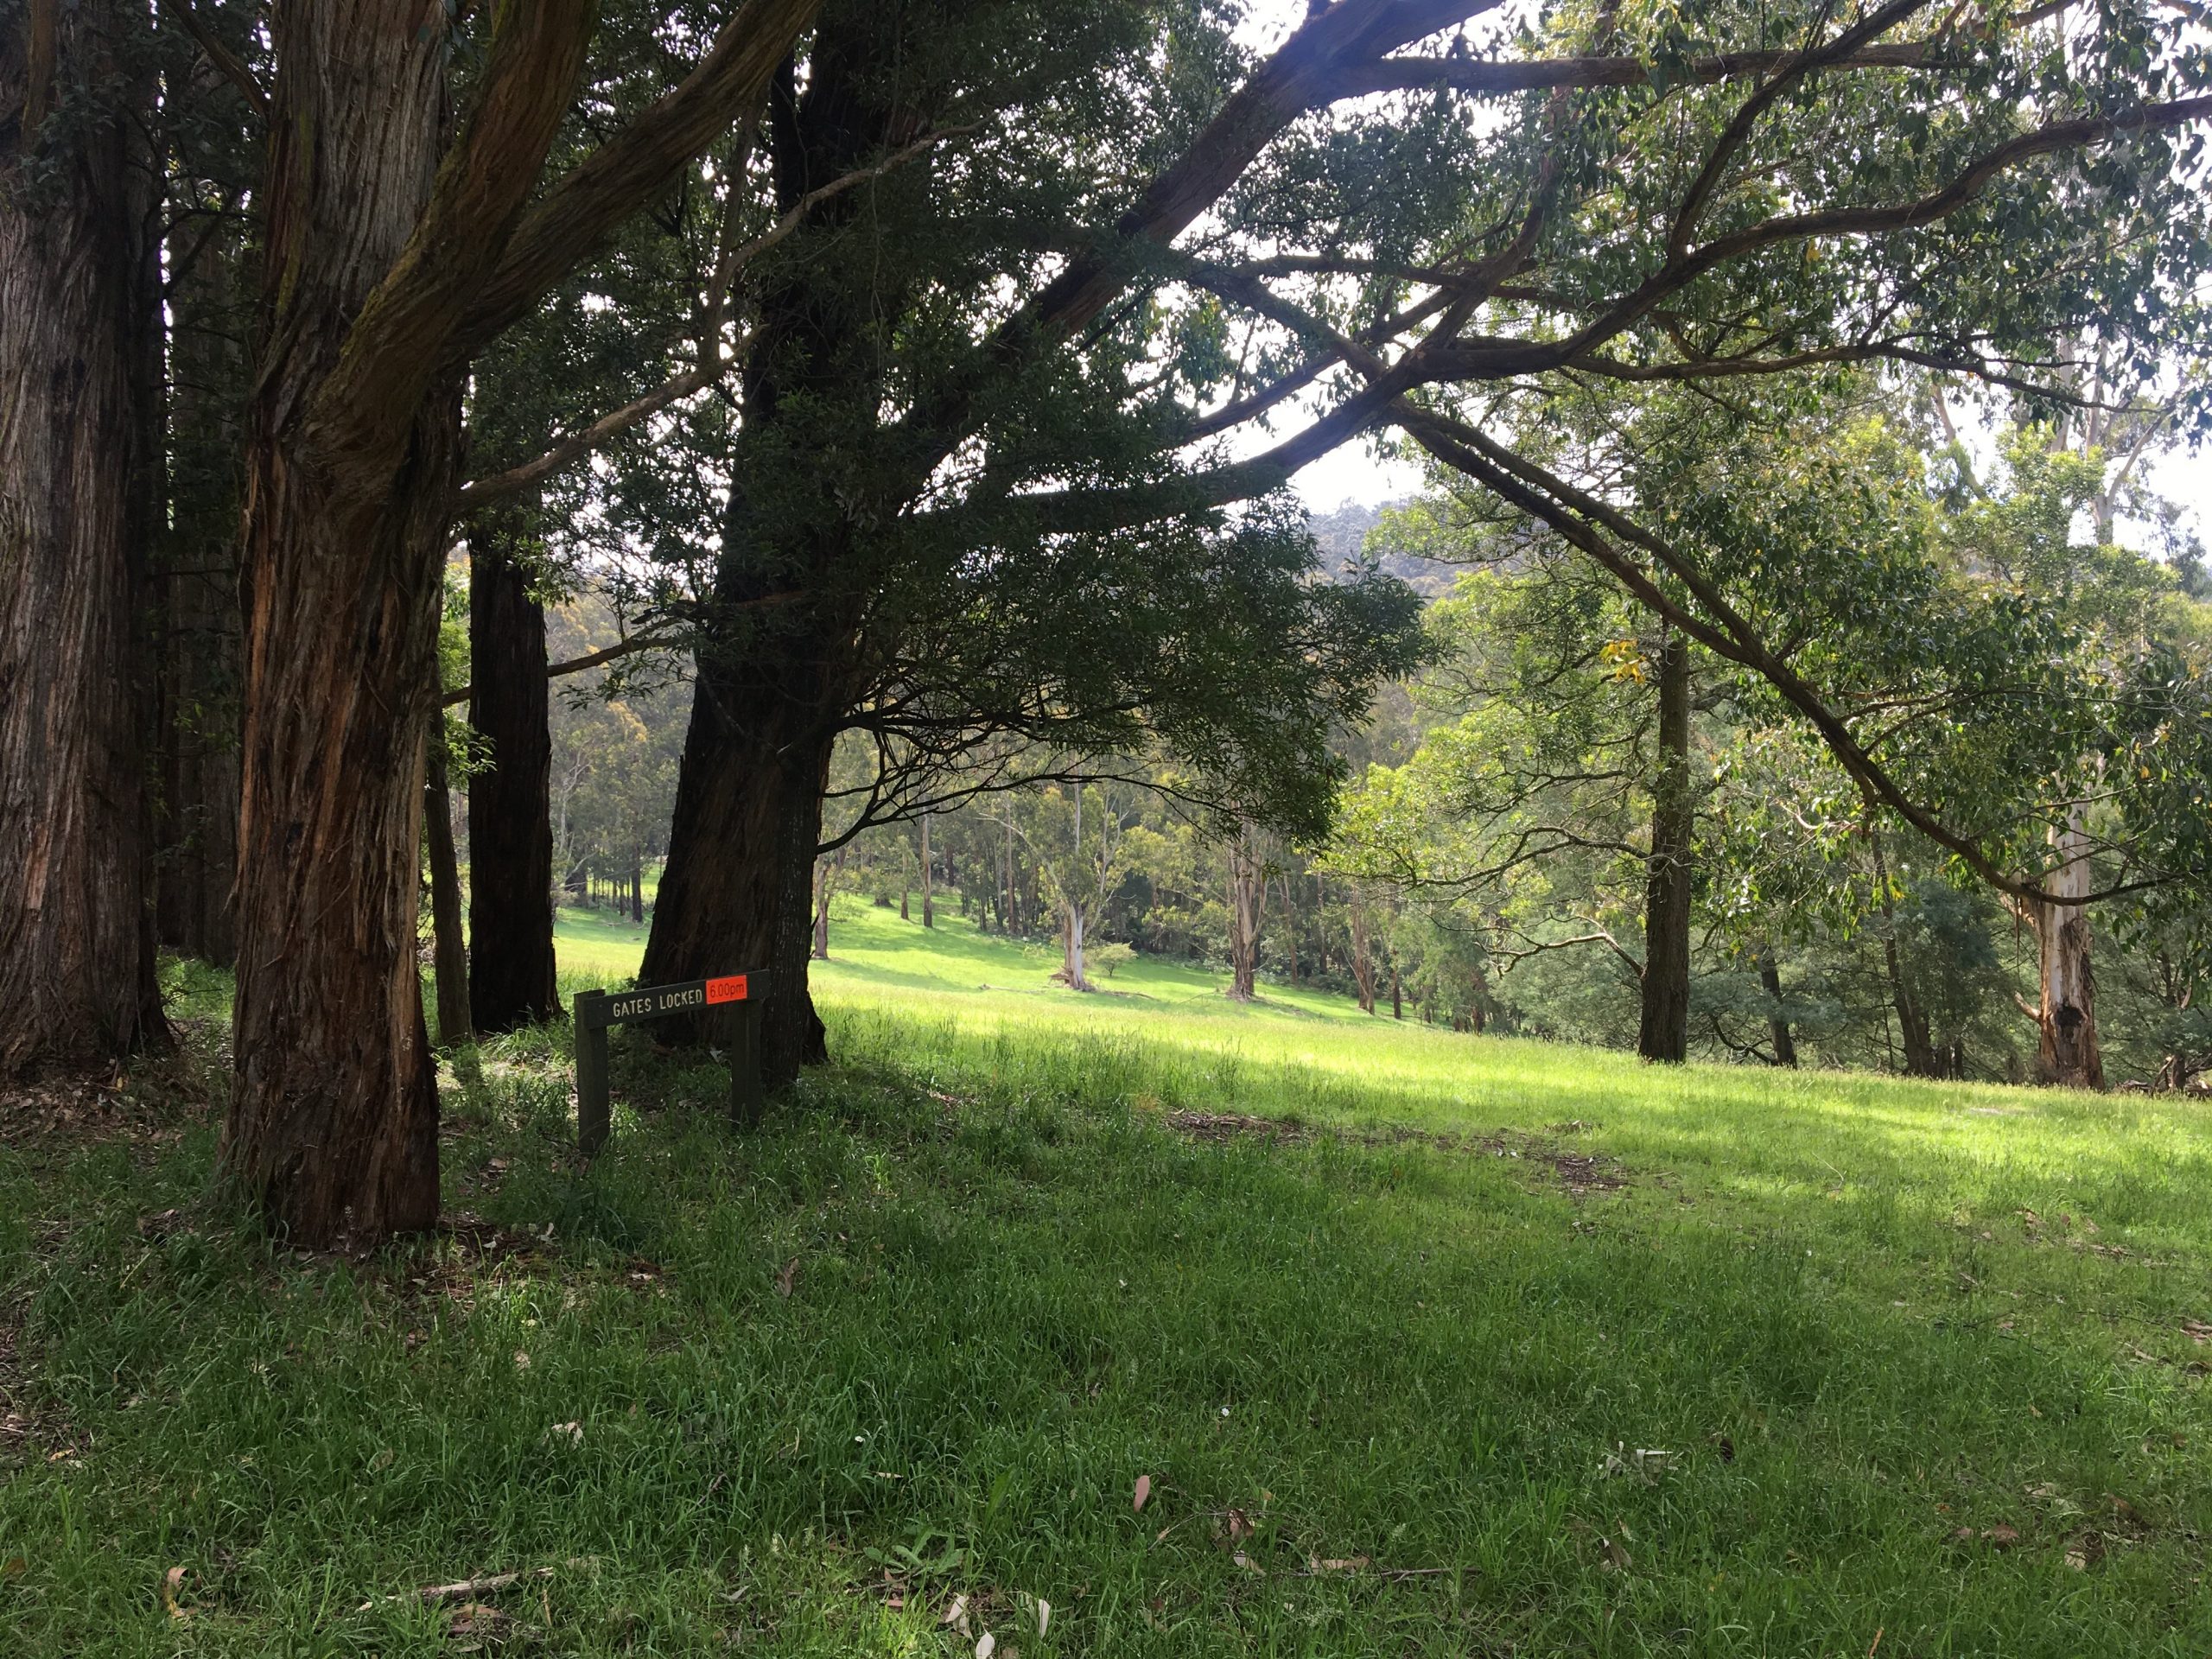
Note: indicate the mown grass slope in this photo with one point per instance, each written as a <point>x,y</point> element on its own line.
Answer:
<point>1423,1344</point>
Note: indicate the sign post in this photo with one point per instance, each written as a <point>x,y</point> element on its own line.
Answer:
<point>737,998</point>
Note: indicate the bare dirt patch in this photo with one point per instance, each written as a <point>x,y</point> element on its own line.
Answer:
<point>1577,1173</point>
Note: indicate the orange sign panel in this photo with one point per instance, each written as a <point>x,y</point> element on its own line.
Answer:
<point>728,989</point>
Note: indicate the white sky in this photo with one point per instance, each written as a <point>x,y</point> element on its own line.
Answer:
<point>1355,473</point>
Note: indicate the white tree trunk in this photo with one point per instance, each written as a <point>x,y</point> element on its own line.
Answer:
<point>2068,1052</point>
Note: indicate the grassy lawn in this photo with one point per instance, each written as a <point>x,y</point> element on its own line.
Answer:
<point>1422,1344</point>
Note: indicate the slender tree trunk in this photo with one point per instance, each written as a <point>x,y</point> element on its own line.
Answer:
<point>1247,897</point>
<point>1071,947</point>
<point>1398,992</point>
<point>1664,1032</point>
<point>929,895</point>
<point>1912,1022</point>
<point>1778,1022</point>
<point>2067,1052</point>
<point>511,971</point>
<point>78,359</point>
<point>637,885</point>
<point>825,888</point>
<point>195,605</point>
<point>1362,958</point>
<point>448,952</point>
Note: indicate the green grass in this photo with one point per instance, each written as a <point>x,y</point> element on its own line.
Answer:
<point>1859,1315</point>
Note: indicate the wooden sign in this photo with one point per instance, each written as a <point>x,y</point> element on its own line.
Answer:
<point>736,996</point>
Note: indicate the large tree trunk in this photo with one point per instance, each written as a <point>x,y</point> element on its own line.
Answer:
<point>334,1123</point>
<point>775,685</point>
<point>448,949</point>
<point>738,890</point>
<point>374,257</point>
<point>2067,1052</point>
<point>511,978</point>
<point>1663,1033</point>
<point>77,327</point>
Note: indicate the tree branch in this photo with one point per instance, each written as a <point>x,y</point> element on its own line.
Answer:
<point>1574,515</point>
<point>225,62</point>
<point>499,485</point>
<point>567,227</point>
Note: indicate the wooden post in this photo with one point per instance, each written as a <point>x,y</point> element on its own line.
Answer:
<point>746,1096</point>
<point>591,1070</point>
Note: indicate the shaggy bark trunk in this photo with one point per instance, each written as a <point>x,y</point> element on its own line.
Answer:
<point>637,886</point>
<point>1247,898</point>
<point>2067,1052</point>
<point>1777,1023</point>
<point>511,975</point>
<point>448,952</point>
<point>334,1122</point>
<point>1663,1033</point>
<point>78,322</point>
<point>352,440</point>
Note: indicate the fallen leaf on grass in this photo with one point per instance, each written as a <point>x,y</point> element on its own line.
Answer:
<point>2085,1551</point>
<point>957,1615</point>
<point>14,1567</point>
<point>476,1618</point>
<point>2199,1332</point>
<point>1240,1525</point>
<point>986,1645</point>
<point>787,1278</point>
<point>172,1581</point>
<point>1247,1564</point>
<point>1144,1491</point>
<point>1341,1564</point>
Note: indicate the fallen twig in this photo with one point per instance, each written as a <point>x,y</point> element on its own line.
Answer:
<point>429,1595</point>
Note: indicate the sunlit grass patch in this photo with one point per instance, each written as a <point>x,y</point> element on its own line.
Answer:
<point>1821,1356</point>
